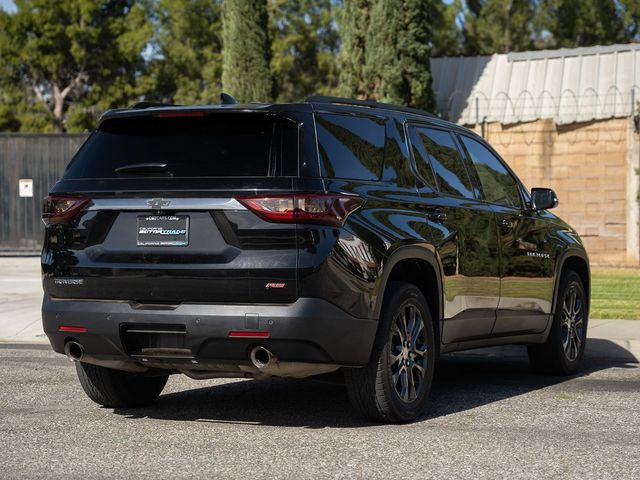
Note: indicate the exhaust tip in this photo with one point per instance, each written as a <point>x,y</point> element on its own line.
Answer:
<point>261,357</point>
<point>74,351</point>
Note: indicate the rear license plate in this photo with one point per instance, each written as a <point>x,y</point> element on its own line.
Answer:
<point>163,231</point>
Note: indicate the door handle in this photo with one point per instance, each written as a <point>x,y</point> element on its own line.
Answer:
<point>505,225</point>
<point>437,215</point>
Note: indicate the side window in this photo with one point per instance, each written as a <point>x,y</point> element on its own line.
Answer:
<point>350,147</point>
<point>422,158</point>
<point>497,183</point>
<point>438,148</point>
<point>397,168</point>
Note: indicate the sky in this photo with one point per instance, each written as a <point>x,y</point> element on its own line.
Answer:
<point>7,5</point>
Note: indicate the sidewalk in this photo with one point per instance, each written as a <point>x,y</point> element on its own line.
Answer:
<point>21,297</point>
<point>20,300</point>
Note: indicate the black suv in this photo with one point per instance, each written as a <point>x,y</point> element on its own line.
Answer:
<point>295,240</point>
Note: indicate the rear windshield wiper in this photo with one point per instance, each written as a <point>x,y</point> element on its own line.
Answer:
<point>143,168</point>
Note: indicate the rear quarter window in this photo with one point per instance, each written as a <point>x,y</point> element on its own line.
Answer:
<point>350,147</point>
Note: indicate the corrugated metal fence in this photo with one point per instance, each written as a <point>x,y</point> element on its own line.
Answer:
<point>41,158</point>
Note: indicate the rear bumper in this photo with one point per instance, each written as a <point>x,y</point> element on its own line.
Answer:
<point>309,330</point>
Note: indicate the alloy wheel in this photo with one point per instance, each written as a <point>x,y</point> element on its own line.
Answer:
<point>572,322</point>
<point>408,352</point>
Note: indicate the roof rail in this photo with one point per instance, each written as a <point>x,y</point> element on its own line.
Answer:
<point>143,105</point>
<point>366,103</point>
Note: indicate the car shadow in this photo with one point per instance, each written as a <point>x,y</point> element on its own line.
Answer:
<point>463,381</point>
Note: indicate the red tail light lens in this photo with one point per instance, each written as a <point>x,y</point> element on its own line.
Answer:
<point>322,209</point>
<point>60,209</point>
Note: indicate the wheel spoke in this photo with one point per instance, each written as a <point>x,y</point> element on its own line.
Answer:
<point>577,307</point>
<point>577,338</point>
<point>396,358</point>
<point>565,332</point>
<point>416,329</point>
<point>403,326</point>
<point>418,367</point>
<point>572,300</point>
<point>404,385</point>
<point>411,395</point>
<point>419,350</point>
<point>396,376</point>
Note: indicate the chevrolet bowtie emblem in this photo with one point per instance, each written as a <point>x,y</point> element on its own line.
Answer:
<point>158,203</point>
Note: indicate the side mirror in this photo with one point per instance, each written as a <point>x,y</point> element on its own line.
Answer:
<point>543,199</point>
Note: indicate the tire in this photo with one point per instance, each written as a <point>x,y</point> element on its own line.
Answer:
<point>117,389</point>
<point>381,391</point>
<point>562,353</point>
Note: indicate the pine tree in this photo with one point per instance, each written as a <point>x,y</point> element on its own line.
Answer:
<point>304,44</point>
<point>354,25</point>
<point>397,66</point>
<point>188,65</point>
<point>245,67</point>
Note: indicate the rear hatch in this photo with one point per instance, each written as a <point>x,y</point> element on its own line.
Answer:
<point>151,211</point>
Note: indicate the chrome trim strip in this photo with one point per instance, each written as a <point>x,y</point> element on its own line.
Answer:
<point>156,203</point>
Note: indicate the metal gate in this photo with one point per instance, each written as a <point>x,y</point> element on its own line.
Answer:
<point>42,159</point>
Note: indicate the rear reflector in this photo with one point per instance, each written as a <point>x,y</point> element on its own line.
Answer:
<point>322,209</point>
<point>60,209</point>
<point>249,334</point>
<point>66,328</point>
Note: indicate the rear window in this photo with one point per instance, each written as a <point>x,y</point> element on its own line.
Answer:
<point>350,147</point>
<point>219,145</point>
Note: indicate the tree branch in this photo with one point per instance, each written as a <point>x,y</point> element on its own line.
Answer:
<point>40,97</point>
<point>80,78</point>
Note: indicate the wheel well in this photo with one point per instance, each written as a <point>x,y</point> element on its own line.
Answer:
<point>422,274</point>
<point>579,265</point>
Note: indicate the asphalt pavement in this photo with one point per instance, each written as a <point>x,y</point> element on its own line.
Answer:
<point>489,416</point>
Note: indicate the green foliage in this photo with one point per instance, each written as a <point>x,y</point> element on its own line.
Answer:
<point>596,22</point>
<point>498,26</point>
<point>447,38</point>
<point>187,67</point>
<point>304,45</point>
<point>64,62</point>
<point>83,54</point>
<point>354,24</point>
<point>485,27</point>
<point>397,53</point>
<point>245,68</point>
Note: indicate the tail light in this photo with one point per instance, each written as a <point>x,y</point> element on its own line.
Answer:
<point>60,209</point>
<point>322,209</point>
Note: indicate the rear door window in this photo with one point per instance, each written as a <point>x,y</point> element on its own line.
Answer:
<point>436,149</point>
<point>350,147</point>
<point>498,185</point>
<point>217,145</point>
